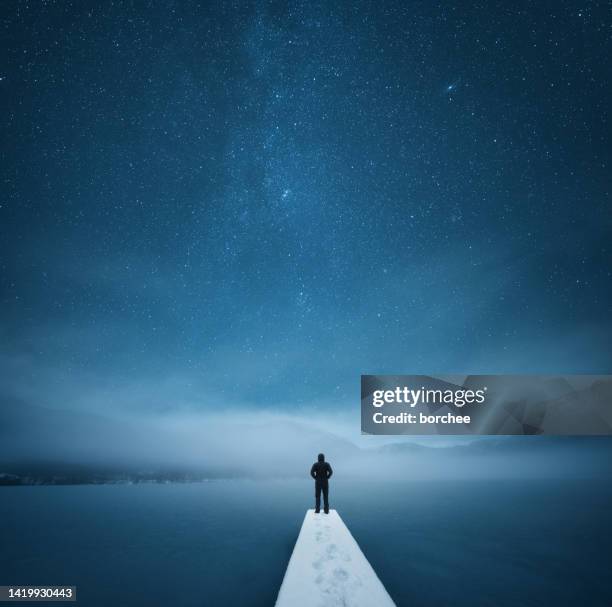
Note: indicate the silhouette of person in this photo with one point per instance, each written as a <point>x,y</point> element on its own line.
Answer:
<point>321,471</point>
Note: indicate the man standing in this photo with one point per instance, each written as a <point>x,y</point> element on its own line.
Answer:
<point>321,471</point>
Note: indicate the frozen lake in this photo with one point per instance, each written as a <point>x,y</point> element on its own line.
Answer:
<point>502,543</point>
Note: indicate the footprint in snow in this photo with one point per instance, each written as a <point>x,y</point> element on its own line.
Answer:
<point>341,574</point>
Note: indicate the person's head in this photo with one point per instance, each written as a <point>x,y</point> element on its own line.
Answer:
<point>321,457</point>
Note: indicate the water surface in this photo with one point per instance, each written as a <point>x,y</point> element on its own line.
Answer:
<point>465,544</point>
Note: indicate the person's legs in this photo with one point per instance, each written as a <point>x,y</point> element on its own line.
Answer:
<point>326,498</point>
<point>317,497</point>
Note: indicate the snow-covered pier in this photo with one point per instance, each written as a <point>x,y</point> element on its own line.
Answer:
<point>328,569</point>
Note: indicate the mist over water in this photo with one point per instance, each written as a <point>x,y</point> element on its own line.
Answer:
<point>277,445</point>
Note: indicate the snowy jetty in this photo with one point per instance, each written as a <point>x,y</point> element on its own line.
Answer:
<point>327,568</point>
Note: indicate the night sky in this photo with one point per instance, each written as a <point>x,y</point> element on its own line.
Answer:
<point>221,205</point>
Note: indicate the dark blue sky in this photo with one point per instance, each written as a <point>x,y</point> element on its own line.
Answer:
<point>215,204</point>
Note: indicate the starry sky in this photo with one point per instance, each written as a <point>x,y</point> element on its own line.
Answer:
<point>224,205</point>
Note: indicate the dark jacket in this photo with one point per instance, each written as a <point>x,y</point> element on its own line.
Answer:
<point>321,471</point>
